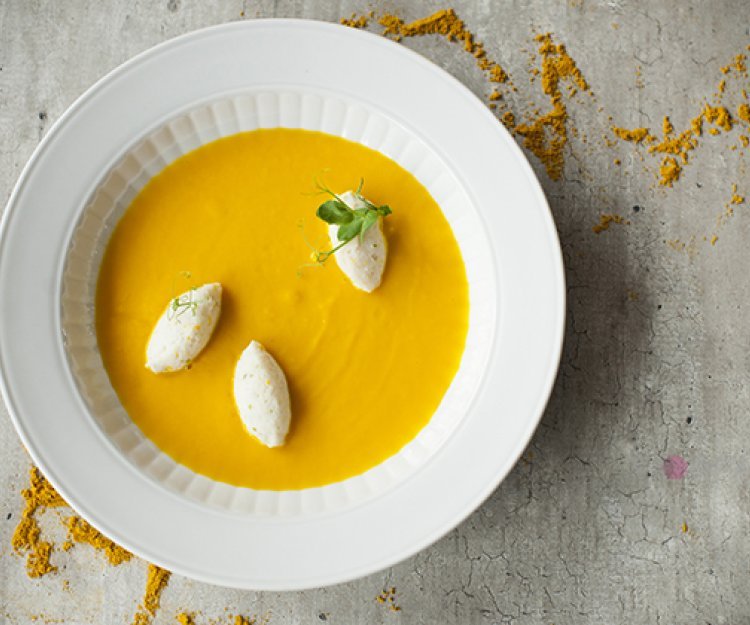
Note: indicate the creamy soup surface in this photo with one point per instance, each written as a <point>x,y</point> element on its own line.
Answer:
<point>365,371</point>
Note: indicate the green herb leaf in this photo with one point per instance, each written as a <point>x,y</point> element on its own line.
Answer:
<point>334,212</point>
<point>352,222</point>
<point>368,222</point>
<point>348,231</point>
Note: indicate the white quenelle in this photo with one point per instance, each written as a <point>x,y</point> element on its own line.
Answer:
<point>262,395</point>
<point>363,262</point>
<point>184,329</point>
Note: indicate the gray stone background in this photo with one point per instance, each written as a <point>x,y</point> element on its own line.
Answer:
<point>587,528</point>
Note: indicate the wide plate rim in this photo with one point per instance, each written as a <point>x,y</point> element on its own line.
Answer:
<point>536,411</point>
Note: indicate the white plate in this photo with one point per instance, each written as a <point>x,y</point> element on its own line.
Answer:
<point>187,92</point>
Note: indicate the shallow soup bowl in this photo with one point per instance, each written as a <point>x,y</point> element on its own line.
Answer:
<point>215,83</point>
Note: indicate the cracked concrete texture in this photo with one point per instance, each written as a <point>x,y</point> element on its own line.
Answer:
<point>586,529</point>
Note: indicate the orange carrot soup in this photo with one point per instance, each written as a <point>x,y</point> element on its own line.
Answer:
<point>366,371</point>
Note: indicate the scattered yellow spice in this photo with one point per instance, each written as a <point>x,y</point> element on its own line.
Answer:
<point>736,199</point>
<point>185,618</point>
<point>718,115</point>
<point>639,77</point>
<point>637,135</point>
<point>156,582</point>
<point>677,245</point>
<point>509,120</point>
<point>557,65</point>
<point>675,148</point>
<point>739,64</point>
<point>39,496</point>
<point>547,135</point>
<point>696,125</point>
<point>447,24</point>
<point>724,217</point>
<point>81,532</point>
<point>388,597</point>
<point>27,537</point>
<point>494,71</point>
<point>677,145</point>
<point>243,620</point>
<point>356,21</point>
<point>669,171</point>
<point>605,221</point>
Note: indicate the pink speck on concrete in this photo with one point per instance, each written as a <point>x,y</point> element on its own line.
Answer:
<point>675,467</point>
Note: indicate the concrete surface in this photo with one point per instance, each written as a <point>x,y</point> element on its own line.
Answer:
<point>587,528</point>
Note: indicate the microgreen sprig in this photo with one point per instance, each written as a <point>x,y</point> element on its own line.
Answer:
<point>180,305</point>
<point>352,222</point>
